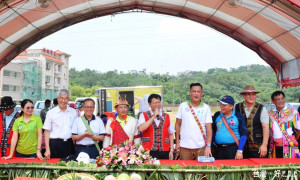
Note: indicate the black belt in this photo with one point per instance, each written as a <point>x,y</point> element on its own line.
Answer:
<point>86,146</point>
<point>59,139</point>
<point>225,145</point>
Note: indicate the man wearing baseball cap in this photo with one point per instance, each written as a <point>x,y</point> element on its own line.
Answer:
<point>122,127</point>
<point>257,122</point>
<point>231,131</point>
<point>8,116</point>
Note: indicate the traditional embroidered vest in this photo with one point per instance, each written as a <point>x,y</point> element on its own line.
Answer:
<point>6,135</point>
<point>287,119</point>
<point>253,123</point>
<point>156,138</point>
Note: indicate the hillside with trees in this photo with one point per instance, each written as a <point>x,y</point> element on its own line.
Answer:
<point>216,82</point>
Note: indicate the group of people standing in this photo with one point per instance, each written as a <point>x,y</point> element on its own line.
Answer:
<point>237,131</point>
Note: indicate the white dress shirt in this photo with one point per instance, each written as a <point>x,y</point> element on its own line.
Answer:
<point>59,122</point>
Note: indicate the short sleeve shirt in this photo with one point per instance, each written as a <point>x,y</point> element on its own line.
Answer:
<point>190,134</point>
<point>79,128</point>
<point>264,117</point>
<point>28,134</point>
<point>223,136</point>
<point>59,123</point>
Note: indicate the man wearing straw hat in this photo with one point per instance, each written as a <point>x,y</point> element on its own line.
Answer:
<point>121,128</point>
<point>257,121</point>
<point>87,130</point>
<point>8,116</point>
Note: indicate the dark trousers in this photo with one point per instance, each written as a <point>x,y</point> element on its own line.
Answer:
<point>61,149</point>
<point>252,154</point>
<point>160,154</point>
<point>225,151</point>
<point>90,150</point>
<point>279,151</point>
<point>25,155</point>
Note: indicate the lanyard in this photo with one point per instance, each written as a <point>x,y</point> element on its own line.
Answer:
<point>84,120</point>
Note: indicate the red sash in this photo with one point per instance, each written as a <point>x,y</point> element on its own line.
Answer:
<point>198,122</point>
<point>119,135</point>
<point>230,130</point>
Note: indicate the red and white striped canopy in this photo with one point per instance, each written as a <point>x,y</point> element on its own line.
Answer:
<point>268,27</point>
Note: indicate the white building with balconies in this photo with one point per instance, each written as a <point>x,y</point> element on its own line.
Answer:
<point>43,71</point>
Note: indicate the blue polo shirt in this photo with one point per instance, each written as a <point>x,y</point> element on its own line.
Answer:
<point>235,122</point>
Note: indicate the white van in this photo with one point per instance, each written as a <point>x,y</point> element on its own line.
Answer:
<point>79,101</point>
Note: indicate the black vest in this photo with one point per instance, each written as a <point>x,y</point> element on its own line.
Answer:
<point>257,131</point>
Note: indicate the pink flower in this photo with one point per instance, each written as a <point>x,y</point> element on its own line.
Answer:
<point>139,162</point>
<point>106,161</point>
<point>113,153</point>
<point>115,161</point>
<point>124,163</point>
<point>107,148</point>
<point>121,150</point>
<point>139,153</point>
<point>144,156</point>
<point>132,152</point>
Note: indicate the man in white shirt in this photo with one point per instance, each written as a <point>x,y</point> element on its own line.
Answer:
<point>87,130</point>
<point>194,125</point>
<point>58,128</point>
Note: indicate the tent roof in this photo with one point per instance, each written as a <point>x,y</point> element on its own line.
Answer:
<point>270,28</point>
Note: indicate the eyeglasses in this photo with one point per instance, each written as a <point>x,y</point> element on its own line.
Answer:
<point>89,107</point>
<point>30,107</point>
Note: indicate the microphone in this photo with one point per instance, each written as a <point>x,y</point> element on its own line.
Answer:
<point>157,116</point>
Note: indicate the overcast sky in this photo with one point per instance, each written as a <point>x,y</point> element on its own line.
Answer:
<point>157,43</point>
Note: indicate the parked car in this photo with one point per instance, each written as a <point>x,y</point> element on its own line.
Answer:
<point>18,108</point>
<point>272,106</point>
<point>79,101</point>
<point>38,106</point>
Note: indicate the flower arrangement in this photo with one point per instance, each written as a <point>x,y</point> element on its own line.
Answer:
<point>124,154</point>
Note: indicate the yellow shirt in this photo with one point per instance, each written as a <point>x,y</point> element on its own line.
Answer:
<point>123,122</point>
<point>28,134</point>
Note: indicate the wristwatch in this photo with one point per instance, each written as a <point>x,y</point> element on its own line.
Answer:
<point>241,151</point>
<point>208,145</point>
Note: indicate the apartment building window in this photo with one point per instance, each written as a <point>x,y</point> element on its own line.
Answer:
<point>48,65</point>
<point>6,87</point>
<point>47,79</point>
<point>6,73</point>
<point>13,74</point>
<point>59,68</point>
<point>57,80</point>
